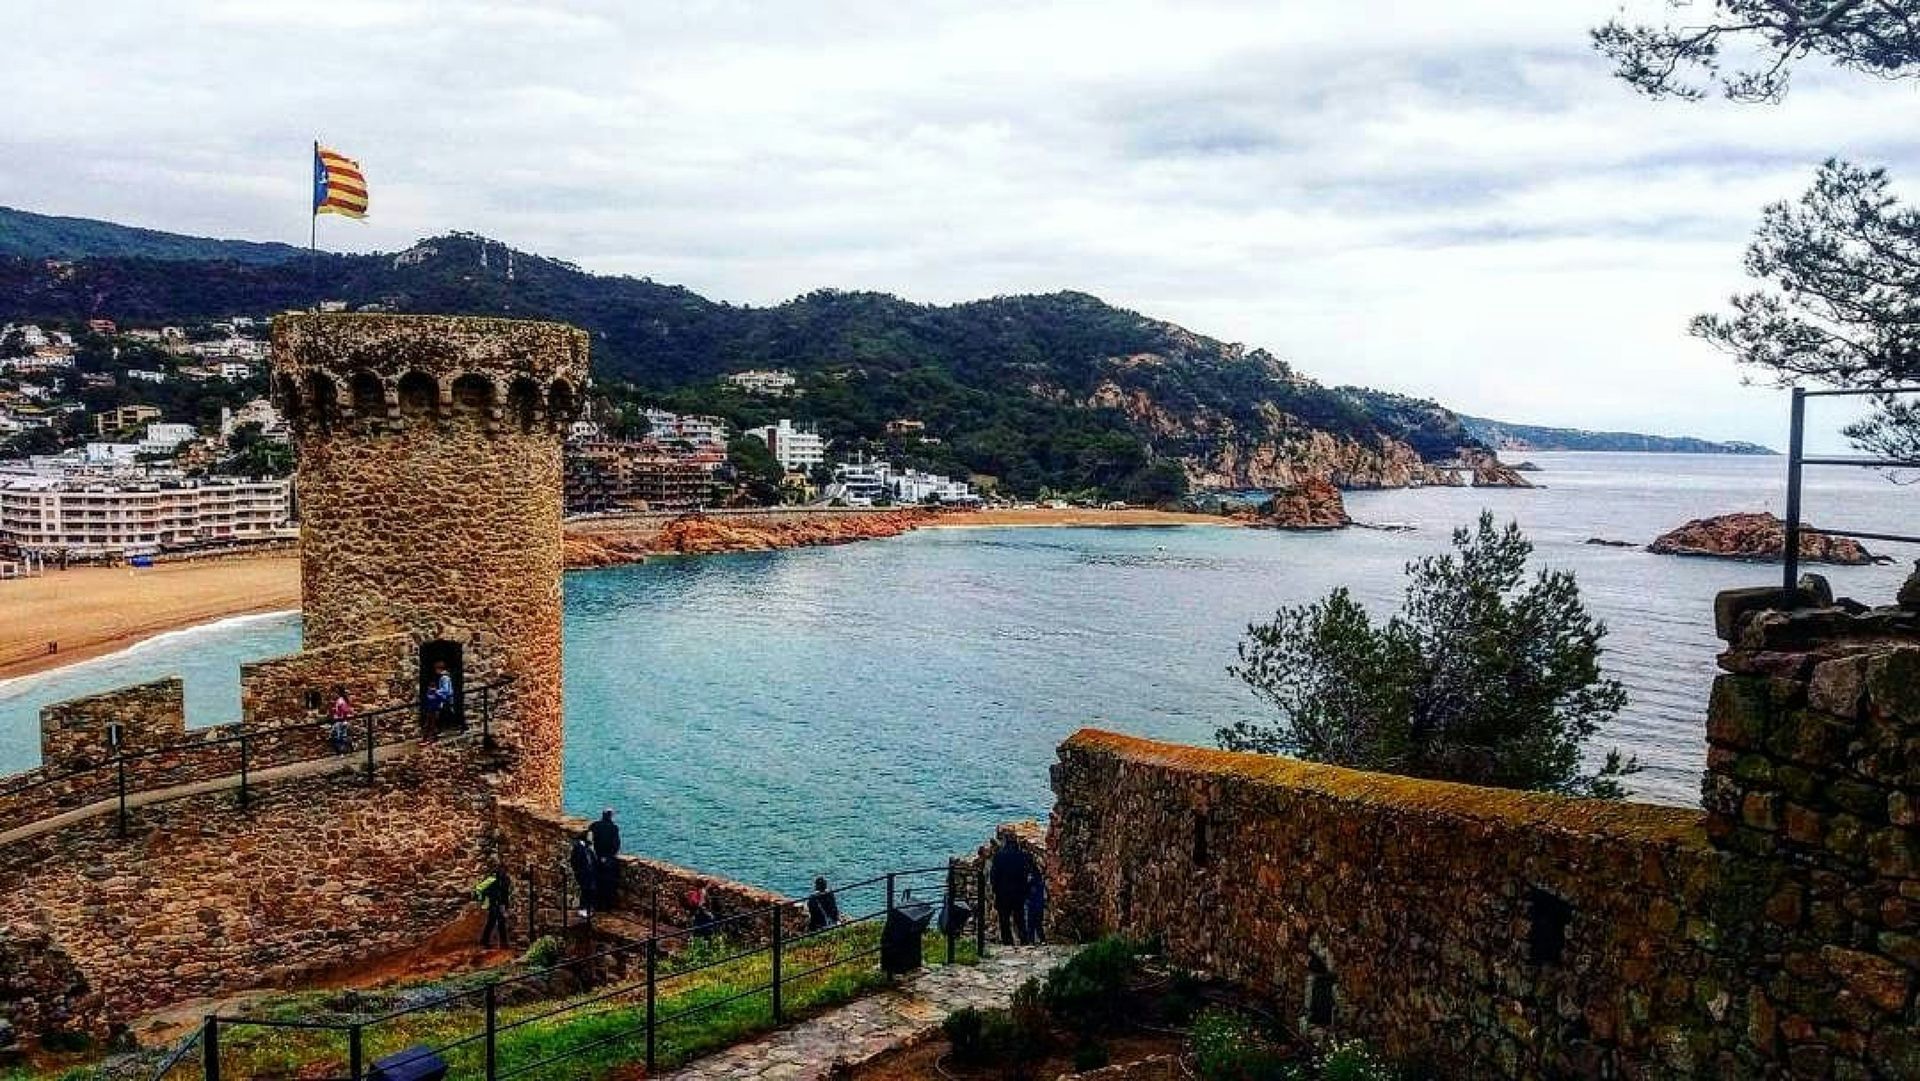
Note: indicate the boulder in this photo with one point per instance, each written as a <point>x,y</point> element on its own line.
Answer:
<point>1909,595</point>
<point>1490,472</point>
<point>1761,537</point>
<point>1314,503</point>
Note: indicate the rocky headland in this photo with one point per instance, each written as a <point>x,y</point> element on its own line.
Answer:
<point>615,543</point>
<point>1760,537</point>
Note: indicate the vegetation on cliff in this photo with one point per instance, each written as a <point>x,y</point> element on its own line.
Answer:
<point>1060,391</point>
<point>1476,679</point>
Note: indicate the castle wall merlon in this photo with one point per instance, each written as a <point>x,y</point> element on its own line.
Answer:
<point>74,733</point>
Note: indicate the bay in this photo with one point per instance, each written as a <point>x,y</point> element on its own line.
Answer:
<point>842,710</point>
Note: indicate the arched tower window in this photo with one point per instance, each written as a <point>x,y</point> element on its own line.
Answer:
<point>473,394</point>
<point>323,398</point>
<point>523,401</point>
<point>419,394</point>
<point>369,395</point>
<point>560,401</point>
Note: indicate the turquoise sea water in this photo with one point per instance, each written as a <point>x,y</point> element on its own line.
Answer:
<point>836,710</point>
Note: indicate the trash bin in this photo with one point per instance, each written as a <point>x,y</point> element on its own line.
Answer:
<point>900,937</point>
<point>416,1063</point>
<point>954,918</point>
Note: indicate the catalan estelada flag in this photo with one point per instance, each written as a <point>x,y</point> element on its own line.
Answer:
<point>338,186</point>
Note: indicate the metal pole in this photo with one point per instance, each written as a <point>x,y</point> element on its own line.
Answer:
<point>980,925</point>
<point>1796,447</point>
<point>243,769</point>
<point>353,1052</point>
<point>210,1048</point>
<point>947,916</point>
<point>493,1027</point>
<point>889,892</point>
<point>777,922</point>
<point>530,905</point>
<point>486,717</point>
<point>369,720</point>
<point>653,960</point>
<point>120,783</point>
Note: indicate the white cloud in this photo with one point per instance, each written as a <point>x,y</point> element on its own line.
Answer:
<point>1453,200</point>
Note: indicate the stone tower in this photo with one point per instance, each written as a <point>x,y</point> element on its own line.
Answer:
<point>429,491</point>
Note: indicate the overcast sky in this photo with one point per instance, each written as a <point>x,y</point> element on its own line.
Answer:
<point>1448,199</point>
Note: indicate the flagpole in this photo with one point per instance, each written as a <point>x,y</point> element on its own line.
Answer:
<point>313,233</point>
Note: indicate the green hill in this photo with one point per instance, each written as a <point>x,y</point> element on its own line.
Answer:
<point>1501,433</point>
<point>42,236</point>
<point>1061,391</point>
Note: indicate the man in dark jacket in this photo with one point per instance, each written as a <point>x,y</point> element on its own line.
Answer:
<point>580,858</point>
<point>496,892</point>
<point>606,850</point>
<point>1009,873</point>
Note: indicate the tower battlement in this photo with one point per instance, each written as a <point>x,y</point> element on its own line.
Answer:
<point>370,370</point>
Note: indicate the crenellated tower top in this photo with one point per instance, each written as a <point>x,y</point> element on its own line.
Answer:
<point>364,371</point>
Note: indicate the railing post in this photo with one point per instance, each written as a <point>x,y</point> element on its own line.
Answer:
<point>947,915</point>
<point>369,720</point>
<point>653,961</point>
<point>980,923</point>
<point>1796,448</point>
<point>566,902</point>
<point>210,1048</point>
<point>120,785</point>
<point>493,1031</point>
<point>486,717</point>
<point>778,923</point>
<point>889,893</point>
<point>530,903</point>
<point>354,1052</point>
<point>243,769</point>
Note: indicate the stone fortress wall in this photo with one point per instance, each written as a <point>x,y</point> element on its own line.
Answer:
<point>429,477</point>
<point>1517,935</point>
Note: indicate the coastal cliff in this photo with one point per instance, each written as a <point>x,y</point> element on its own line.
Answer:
<point>1758,536</point>
<point>611,542</point>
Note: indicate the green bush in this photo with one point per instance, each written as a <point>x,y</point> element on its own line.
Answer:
<point>1351,1061</point>
<point>66,1043</point>
<point>964,1028</point>
<point>1090,1055</point>
<point>1227,1046</point>
<point>544,952</point>
<point>1085,993</point>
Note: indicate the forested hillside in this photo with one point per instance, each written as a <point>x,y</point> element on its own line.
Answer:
<point>1061,391</point>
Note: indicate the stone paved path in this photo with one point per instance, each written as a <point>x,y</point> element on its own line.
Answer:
<point>859,1030</point>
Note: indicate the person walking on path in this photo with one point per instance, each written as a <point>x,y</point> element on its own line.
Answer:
<point>496,893</point>
<point>338,714</point>
<point>585,874</point>
<point>439,699</point>
<point>606,851</point>
<point>823,908</point>
<point>1009,874</point>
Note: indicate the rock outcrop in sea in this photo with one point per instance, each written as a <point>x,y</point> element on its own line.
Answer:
<point>1758,536</point>
<point>1312,504</point>
<point>618,542</point>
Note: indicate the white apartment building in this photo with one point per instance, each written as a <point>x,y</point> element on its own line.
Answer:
<point>862,484</point>
<point>31,336</point>
<point>39,362</point>
<point>762,381</point>
<point>105,517</point>
<point>794,448</point>
<point>665,427</point>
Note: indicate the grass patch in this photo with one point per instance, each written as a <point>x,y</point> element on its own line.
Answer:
<point>704,990</point>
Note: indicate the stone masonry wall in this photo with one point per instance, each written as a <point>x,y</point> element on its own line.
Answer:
<point>207,897</point>
<point>430,486</point>
<point>73,734</point>
<point>1416,898</point>
<point>1502,934</point>
<point>376,673</point>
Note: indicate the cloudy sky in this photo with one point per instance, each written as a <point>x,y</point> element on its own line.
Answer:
<point>1448,199</point>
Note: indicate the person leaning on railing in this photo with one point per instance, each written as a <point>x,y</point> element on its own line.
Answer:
<point>823,908</point>
<point>339,734</point>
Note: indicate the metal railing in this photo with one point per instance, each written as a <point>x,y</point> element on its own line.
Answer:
<point>631,1011</point>
<point>193,761</point>
<point>1797,460</point>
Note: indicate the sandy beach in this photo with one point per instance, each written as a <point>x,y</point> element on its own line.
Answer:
<point>91,611</point>
<point>1075,516</point>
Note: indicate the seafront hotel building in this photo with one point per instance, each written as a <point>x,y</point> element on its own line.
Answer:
<point>92,516</point>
